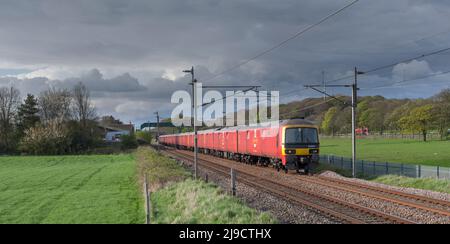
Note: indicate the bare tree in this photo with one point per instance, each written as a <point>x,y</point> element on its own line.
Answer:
<point>55,104</point>
<point>83,109</point>
<point>9,102</point>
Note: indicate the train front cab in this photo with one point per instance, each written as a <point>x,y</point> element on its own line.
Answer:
<point>300,147</point>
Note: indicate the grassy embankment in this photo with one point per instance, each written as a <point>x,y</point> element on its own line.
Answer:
<point>178,199</point>
<point>435,153</point>
<point>438,185</point>
<point>424,183</point>
<point>70,189</point>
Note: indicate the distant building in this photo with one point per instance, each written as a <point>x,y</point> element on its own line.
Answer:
<point>112,133</point>
<point>114,136</point>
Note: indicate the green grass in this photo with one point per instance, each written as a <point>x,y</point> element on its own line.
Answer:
<point>161,170</point>
<point>423,183</point>
<point>70,189</point>
<point>176,198</point>
<point>196,202</point>
<point>439,185</point>
<point>436,153</point>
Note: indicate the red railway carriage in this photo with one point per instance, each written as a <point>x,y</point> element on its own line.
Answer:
<point>294,144</point>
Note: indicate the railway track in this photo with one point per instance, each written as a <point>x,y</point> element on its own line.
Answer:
<point>438,208</point>
<point>330,206</point>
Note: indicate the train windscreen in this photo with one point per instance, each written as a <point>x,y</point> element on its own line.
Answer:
<point>301,136</point>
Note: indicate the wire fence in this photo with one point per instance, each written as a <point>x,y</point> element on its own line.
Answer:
<point>372,168</point>
<point>393,135</point>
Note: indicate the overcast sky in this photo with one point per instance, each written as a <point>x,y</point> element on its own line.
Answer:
<point>131,53</point>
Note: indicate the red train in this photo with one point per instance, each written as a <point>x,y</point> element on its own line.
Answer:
<point>293,145</point>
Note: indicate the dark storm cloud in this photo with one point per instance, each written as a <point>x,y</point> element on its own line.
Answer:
<point>139,47</point>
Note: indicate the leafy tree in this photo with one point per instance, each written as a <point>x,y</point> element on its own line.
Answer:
<point>27,114</point>
<point>83,137</point>
<point>372,118</point>
<point>392,119</point>
<point>442,111</point>
<point>328,124</point>
<point>128,142</point>
<point>343,120</point>
<point>419,119</point>
<point>145,136</point>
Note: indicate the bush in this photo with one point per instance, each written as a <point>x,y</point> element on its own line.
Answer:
<point>83,138</point>
<point>49,139</point>
<point>144,136</point>
<point>128,142</point>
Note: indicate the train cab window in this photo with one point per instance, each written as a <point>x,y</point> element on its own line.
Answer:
<point>301,135</point>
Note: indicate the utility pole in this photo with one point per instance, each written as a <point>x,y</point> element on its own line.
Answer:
<point>194,118</point>
<point>354,122</point>
<point>157,128</point>
<point>354,105</point>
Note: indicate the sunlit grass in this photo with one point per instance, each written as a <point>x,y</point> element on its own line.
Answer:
<point>70,189</point>
<point>439,185</point>
<point>391,150</point>
<point>196,202</point>
<point>176,198</point>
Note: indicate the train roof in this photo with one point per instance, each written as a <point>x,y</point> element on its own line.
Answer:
<point>297,122</point>
<point>255,126</point>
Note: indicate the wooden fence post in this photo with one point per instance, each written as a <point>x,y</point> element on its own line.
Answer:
<point>147,201</point>
<point>233,182</point>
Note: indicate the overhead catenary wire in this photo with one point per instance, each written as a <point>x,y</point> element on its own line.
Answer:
<point>392,64</point>
<point>278,45</point>
<point>232,95</point>
<point>393,85</point>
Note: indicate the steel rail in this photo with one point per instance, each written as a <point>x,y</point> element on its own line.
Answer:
<point>381,194</point>
<point>377,195</point>
<point>390,191</point>
<point>275,189</point>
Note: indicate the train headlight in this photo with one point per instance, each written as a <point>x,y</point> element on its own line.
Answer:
<point>313,151</point>
<point>289,151</point>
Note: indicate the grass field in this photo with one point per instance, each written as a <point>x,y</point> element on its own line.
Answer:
<point>70,189</point>
<point>391,150</point>
<point>196,202</point>
<point>178,199</point>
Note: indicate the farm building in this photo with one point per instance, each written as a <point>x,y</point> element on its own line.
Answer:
<point>112,133</point>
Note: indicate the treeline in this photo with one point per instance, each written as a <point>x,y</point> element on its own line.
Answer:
<point>378,114</point>
<point>58,121</point>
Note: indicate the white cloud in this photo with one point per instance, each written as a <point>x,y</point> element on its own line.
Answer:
<point>412,70</point>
